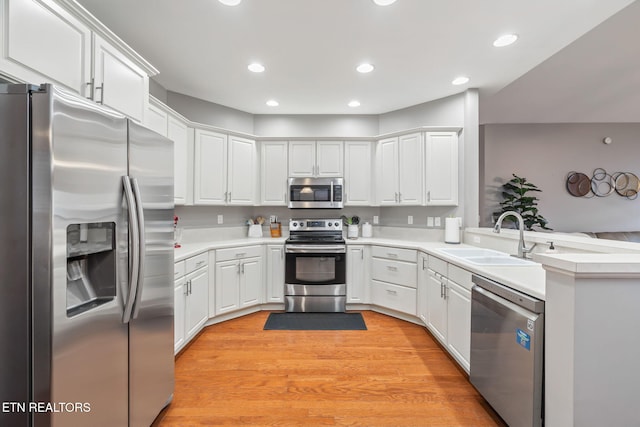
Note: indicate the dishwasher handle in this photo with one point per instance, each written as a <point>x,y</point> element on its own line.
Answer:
<point>523,300</point>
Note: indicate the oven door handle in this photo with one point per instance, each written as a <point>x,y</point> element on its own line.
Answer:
<point>315,249</point>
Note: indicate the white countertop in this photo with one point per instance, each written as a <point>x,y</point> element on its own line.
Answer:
<point>594,264</point>
<point>529,279</point>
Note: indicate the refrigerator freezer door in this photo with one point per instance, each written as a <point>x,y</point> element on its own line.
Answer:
<point>80,354</point>
<point>151,327</point>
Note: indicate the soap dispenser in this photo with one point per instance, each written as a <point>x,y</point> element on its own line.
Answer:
<point>552,249</point>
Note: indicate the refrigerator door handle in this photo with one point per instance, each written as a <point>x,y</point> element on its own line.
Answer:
<point>134,251</point>
<point>141,246</point>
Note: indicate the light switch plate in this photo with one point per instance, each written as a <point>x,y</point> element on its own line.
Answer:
<point>429,221</point>
<point>437,222</point>
<point>410,220</point>
<point>376,219</point>
<point>220,219</point>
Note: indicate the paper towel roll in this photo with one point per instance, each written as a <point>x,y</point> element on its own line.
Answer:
<point>452,230</point>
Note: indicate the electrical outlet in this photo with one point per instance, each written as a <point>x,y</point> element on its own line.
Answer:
<point>429,221</point>
<point>410,220</point>
<point>476,239</point>
<point>437,222</point>
<point>220,219</point>
<point>376,220</point>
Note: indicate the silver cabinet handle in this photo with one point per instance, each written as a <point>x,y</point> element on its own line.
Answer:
<point>200,264</point>
<point>226,196</point>
<point>186,288</point>
<point>392,255</point>
<point>392,268</point>
<point>242,268</point>
<point>361,253</point>
<point>240,254</point>
<point>446,289</point>
<point>101,89</point>
<point>428,196</point>
<point>399,197</point>
<point>90,90</point>
<point>392,292</point>
<point>395,197</point>
<point>229,201</point>
<point>238,269</point>
<point>441,290</point>
<point>423,263</point>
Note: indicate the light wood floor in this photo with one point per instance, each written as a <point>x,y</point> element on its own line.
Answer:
<point>393,374</point>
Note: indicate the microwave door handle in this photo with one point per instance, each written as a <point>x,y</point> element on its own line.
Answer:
<point>331,197</point>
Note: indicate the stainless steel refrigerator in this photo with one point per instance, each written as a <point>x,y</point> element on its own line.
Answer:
<point>86,263</point>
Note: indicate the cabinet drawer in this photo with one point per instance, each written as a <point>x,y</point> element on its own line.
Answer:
<point>438,265</point>
<point>399,298</point>
<point>196,262</point>
<point>179,269</point>
<point>398,272</point>
<point>237,253</point>
<point>408,255</point>
<point>460,276</point>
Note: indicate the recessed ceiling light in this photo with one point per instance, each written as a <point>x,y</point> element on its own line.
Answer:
<point>256,68</point>
<point>365,68</point>
<point>354,103</point>
<point>505,40</point>
<point>460,80</point>
<point>230,2</point>
<point>272,103</point>
<point>384,2</point>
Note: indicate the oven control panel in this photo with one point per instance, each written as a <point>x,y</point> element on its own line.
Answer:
<point>315,224</point>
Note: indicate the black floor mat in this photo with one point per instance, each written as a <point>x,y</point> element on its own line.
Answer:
<point>315,322</point>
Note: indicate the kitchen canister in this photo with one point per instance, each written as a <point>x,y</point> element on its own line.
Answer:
<point>352,231</point>
<point>452,230</point>
<point>367,230</point>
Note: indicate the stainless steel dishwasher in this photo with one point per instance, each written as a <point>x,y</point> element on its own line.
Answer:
<point>507,337</point>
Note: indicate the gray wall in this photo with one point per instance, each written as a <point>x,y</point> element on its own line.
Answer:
<point>301,125</point>
<point>545,153</point>
<point>158,91</point>
<point>200,111</point>
<point>447,111</point>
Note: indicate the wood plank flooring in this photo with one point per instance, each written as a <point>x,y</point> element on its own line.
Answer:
<point>393,374</point>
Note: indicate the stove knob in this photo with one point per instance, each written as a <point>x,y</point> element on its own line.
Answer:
<point>337,224</point>
<point>295,224</point>
<point>302,224</point>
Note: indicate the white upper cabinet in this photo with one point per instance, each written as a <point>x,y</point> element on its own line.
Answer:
<point>273,173</point>
<point>118,82</point>
<point>45,41</point>
<point>358,178</point>
<point>441,168</point>
<point>316,159</point>
<point>157,119</point>
<point>40,41</point>
<point>242,176</point>
<point>225,169</point>
<point>210,168</point>
<point>178,132</point>
<point>400,170</point>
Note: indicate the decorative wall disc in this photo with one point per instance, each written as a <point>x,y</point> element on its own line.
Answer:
<point>578,184</point>
<point>602,184</point>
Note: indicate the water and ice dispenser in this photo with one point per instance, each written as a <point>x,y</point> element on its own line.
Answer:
<point>91,266</point>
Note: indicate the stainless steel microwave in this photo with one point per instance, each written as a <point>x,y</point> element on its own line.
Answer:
<point>316,193</point>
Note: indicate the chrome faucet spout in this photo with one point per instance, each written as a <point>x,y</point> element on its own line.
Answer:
<point>522,248</point>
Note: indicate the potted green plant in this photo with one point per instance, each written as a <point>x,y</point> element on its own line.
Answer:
<point>517,197</point>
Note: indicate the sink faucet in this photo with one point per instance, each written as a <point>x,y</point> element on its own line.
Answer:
<point>522,248</point>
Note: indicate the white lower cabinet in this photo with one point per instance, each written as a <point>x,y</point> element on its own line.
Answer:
<point>191,296</point>
<point>275,274</point>
<point>422,310</point>
<point>448,307</point>
<point>394,279</point>
<point>238,279</point>
<point>357,272</point>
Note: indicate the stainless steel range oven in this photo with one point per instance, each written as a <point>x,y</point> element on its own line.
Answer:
<point>315,266</point>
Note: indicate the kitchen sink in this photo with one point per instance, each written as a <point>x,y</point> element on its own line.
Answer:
<point>481,256</point>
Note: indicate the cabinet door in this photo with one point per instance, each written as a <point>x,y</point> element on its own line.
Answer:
<point>197,301</point>
<point>227,286</point>
<point>441,168</point>
<point>329,159</point>
<point>387,172</point>
<point>410,170</point>
<point>302,158</point>
<point>459,323</point>
<point>179,302</point>
<point>273,173</point>
<point>156,119</point>
<point>41,42</point>
<point>356,281</point>
<point>210,174</point>
<point>275,273</point>
<point>178,132</point>
<point>119,83</point>
<point>423,281</point>
<point>250,282</point>
<point>357,173</point>
<point>436,307</point>
<point>242,171</point>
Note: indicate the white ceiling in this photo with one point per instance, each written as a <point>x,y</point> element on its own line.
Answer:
<point>310,48</point>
